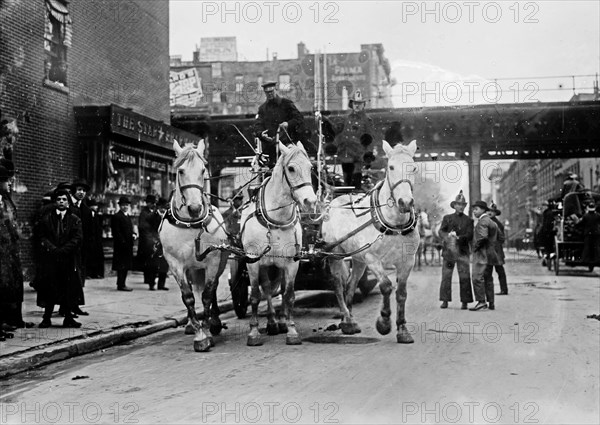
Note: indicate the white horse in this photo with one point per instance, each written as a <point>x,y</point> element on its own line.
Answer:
<point>272,221</point>
<point>383,233</point>
<point>191,217</point>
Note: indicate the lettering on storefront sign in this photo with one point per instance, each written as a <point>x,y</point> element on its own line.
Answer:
<point>128,159</point>
<point>347,70</point>
<point>143,128</point>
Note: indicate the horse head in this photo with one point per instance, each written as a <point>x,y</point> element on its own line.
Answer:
<point>296,170</point>
<point>400,173</point>
<point>190,166</point>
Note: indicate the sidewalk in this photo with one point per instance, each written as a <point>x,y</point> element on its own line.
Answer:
<point>115,317</point>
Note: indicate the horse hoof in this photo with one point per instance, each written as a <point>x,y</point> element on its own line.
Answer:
<point>189,329</point>
<point>254,341</point>
<point>349,328</point>
<point>383,325</point>
<point>215,329</point>
<point>272,329</point>
<point>202,346</point>
<point>293,340</point>
<point>212,341</point>
<point>282,328</point>
<point>403,337</point>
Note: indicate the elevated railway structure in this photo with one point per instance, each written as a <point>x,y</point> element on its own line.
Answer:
<point>459,133</point>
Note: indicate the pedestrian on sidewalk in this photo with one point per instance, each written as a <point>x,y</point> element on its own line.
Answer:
<point>123,237</point>
<point>148,238</point>
<point>79,189</point>
<point>494,213</point>
<point>11,273</point>
<point>484,257</point>
<point>60,239</point>
<point>95,259</point>
<point>456,232</point>
<point>161,264</point>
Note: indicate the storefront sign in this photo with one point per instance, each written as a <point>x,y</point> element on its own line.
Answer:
<point>135,160</point>
<point>145,129</point>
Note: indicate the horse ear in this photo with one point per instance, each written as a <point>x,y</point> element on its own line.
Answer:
<point>201,147</point>
<point>387,148</point>
<point>301,146</point>
<point>283,148</point>
<point>412,147</point>
<point>176,147</point>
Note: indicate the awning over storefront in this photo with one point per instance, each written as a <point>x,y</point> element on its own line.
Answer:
<point>98,120</point>
<point>59,11</point>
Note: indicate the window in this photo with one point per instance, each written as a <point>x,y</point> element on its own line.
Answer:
<point>57,38</point>
<point>216,70</point>
<point>239,83</point>
<point>285,83</point>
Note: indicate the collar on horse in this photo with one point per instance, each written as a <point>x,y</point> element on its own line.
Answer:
<point>186,223</point>
<point>262,215</point>
<point>377,217</point>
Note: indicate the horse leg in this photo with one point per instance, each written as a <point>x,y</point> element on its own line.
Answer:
<point>254,335</point>
<point>289,297</point>
<point>402,273</point>
<point>216,270</point>
<point>203,339</point>
<point>349,325</point>
<point>383,324</point>
<point>268,285</point>
<point>339,274</point>
<point>187,295</point>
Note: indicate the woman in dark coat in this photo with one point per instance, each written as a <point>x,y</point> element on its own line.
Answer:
<point>11,274</point>
<point>60,241</point>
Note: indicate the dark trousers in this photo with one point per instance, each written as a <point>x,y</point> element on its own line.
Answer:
<point>121,276</point>
<point>483,284</point>
<point>502,278</point>
<point>66,309</point>
<point>464,279</point>
<point>352,178</point>
<point>162,278</point>
<point>149,276</point>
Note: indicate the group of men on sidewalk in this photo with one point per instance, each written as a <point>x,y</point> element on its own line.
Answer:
<point>484,241</point>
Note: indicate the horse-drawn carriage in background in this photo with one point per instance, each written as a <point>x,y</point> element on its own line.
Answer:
<point>568,238</point>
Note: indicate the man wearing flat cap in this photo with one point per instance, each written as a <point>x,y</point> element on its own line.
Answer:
<point>277,114</point>
<point>123,237</point>
<point>484,257</point>
<point>494,212</point>
<point>456,231</point>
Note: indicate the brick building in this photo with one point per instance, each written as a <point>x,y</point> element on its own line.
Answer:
<point>311,80</point>
<point>87,86</point>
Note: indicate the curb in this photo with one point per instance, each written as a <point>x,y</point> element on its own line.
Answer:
<point>80,345</point>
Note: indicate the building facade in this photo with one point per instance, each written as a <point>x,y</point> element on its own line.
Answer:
<point>84,92</point>
<point>312,80</point>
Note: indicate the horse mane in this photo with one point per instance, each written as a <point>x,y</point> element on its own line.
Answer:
<point>400,148</point>
<point>188,154</point>
<point>294,152</point>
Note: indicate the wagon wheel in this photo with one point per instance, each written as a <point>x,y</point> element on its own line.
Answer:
<point>239,289</point>
<point>365,284</point>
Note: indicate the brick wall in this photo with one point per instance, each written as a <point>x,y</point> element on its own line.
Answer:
<point>119,55</point>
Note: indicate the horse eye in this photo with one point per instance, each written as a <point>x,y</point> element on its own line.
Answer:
<point>180,171</point>
<point>291,169</point>
<point>391,167</point>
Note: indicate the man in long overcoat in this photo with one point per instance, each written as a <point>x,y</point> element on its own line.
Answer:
<point>148,238</point>
<point>494,212</point>
<point>456,231</point>
<point>590,222</point>
<point>484,257</point>
<point>60,236</point>
<point>79,189</point>
<point>277,112</point>
<point>95,258</point>
<point>123,237</point>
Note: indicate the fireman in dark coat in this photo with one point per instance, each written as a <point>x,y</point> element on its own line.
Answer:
<point>123,237</point>
<point>60,236</point>
<point>494,213</point>
<point>354,140</point>
<point>591,234</point>
<point>277,113</point>
<point>571,184</point>
<point>456,231</point>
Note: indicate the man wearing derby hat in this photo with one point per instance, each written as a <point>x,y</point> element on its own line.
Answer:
<point>277,114</point>
<point>148,228</point>
<point>494,212</point>
<point>79,189</point>
<point>456,231</point>
<point>590,222</point>
<point>353,143</point>
<point>484,257</point>
<point>123,237</point>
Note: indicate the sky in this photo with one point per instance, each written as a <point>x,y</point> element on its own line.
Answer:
<point>441,53</point>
